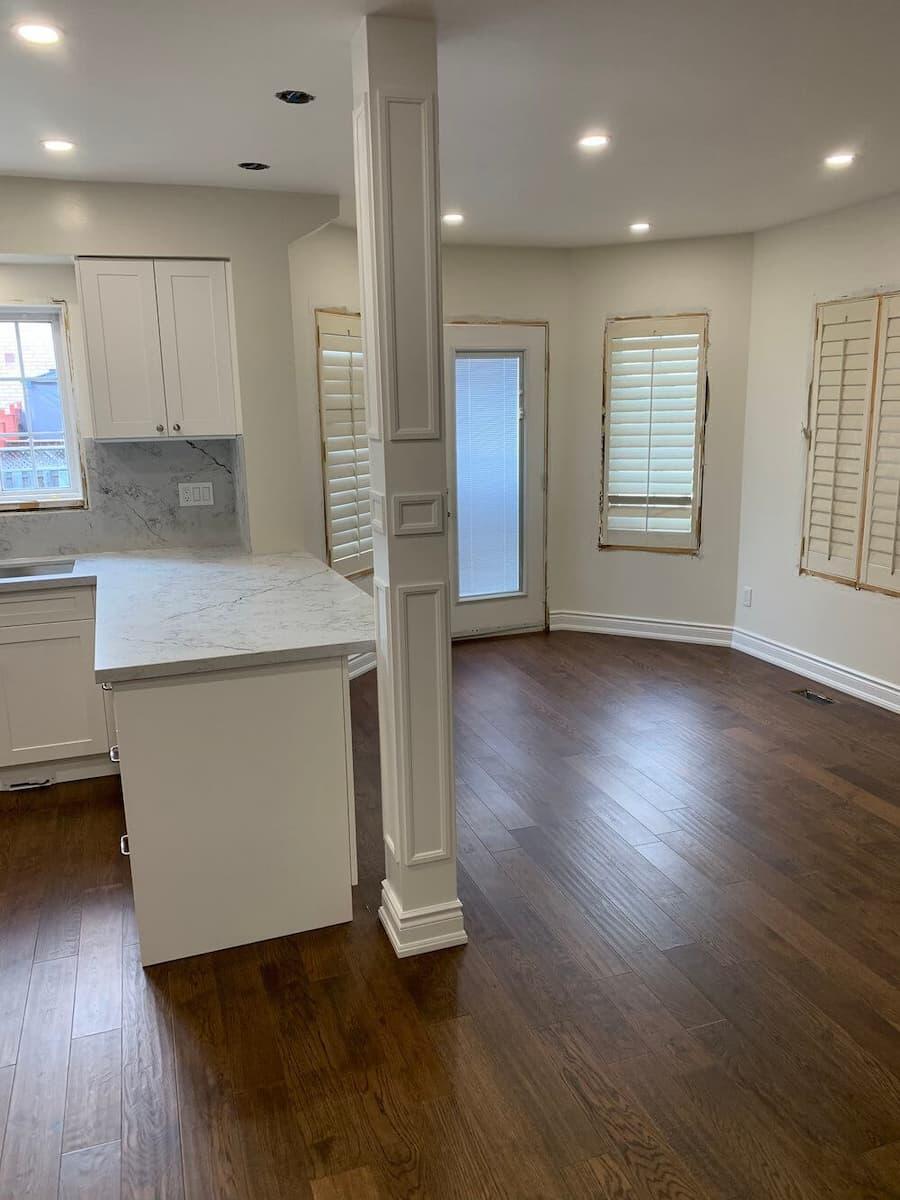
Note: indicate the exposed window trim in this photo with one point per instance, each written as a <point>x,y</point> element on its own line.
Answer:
<point>357,572</point>
<point>877,365</point>
<point>657,542</point>
<point>74,497</point>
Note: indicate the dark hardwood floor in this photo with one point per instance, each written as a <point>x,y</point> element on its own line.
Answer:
<point>681,886</point>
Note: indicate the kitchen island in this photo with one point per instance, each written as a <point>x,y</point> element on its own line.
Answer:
<point>229,681</point>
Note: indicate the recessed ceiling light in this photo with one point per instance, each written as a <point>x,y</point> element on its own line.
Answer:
<point>841,158</point>
<point>294,96</point>
<point>640,227</point>
<point>453,218</point>
<point>57,145</point>
<point>39,35</point>
<point>594,141</point>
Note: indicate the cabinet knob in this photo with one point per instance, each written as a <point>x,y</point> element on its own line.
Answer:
<point>106,687</point>
<point>114,753</point>
<point>124,848</point>
<point>160,429</point>
<point>177,428</point>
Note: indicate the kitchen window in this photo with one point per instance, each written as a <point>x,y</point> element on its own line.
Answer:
<point>39,461</point>
<point>654,416</point>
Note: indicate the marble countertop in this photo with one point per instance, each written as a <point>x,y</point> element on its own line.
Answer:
<point>178,612</point>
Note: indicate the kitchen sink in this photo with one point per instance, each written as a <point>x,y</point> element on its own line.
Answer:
<point>30,570</point>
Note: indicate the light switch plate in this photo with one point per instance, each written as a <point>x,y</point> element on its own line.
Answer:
<point>191,494</point>
<point>748,597</point>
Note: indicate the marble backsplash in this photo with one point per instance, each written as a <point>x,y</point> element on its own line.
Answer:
<point>133,502</point>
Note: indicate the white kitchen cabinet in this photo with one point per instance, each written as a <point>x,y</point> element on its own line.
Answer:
<point>192,301</point>
<point>118,301</point>
<point>159,347</point>
<point>50,706</point>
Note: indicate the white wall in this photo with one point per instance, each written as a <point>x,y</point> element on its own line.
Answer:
<point>705,275</point>
<point>254,230</point>
<point>848,252</point>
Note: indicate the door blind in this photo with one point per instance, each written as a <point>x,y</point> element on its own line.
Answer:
<point>881,557</point>
<point>345,446</point>
<point>839,424</point>
<point>655,399</point>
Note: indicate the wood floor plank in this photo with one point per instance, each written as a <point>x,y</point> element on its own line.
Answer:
<point>94,1096</point>
<point>91,1174</point>
<point>151,1139</point>
<point>29,1165</point>
<point>98,993</point>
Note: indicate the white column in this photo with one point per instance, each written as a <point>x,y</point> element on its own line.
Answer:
<point>395,140</point>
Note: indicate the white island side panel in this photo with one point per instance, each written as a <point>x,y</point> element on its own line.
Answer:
<point>236,801</point>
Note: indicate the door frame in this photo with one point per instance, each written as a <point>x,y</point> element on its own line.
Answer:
<point>544,433</point>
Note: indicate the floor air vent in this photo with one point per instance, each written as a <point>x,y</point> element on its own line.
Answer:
<point>816,697</point>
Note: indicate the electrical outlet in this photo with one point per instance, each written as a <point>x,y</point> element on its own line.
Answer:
<point>191,494</point>
<point>748,597</point>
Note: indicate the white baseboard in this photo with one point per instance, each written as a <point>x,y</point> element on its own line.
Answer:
<point>360,663</point>
<point>810,666</point>
<point>821,670</point>
<point>667,631</point>
<point>420,930</point>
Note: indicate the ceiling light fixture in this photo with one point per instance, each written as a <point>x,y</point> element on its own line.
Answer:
<point>640,227</point>
<point>39,35</point>
<point>254,166</point>
<point>57,145</point>
<point>841,158</point>
<point>594,141</point>
<point>453,218</point>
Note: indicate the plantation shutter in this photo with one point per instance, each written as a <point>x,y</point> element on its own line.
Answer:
<point>839,424</point>
<point>345,446</point>
<point>881,555</point>
<point>655,391</point>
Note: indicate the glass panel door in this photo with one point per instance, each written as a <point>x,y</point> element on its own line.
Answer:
<point>489,473</point>
<point>495,382</point>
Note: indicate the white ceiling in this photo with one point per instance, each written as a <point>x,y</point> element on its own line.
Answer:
<point>721,110</point>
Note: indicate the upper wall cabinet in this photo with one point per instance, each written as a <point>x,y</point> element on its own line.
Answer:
<point>159,348</point>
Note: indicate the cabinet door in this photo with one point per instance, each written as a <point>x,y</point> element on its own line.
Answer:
<point>118,298</point>
<point>196,348</point>
<point>50,706</point>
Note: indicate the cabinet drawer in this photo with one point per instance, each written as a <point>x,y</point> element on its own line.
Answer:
<point>46,604</point>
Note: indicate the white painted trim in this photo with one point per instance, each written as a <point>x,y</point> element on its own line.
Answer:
<point>821,670</point>
<point>420,930</point>
<point>667,631</point>
<point>359,664</point>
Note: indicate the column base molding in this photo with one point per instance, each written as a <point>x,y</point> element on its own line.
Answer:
<point>420,930</point>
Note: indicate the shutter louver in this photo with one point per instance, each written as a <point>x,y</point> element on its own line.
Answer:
<point>655,394</point>
<point>839,424</point>
<point>881,542</point>
<point>345,442</point>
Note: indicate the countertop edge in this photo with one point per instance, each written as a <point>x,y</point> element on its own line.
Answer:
<point>231,662</point>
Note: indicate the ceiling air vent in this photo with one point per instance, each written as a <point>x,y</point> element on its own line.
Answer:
<point>294,96</point>
<point>816,697</point>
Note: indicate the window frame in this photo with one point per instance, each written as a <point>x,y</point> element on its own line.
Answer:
<point>320,311</point>
<point>870,431</point>
<point>657,541</point>
<point>59,498</point>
